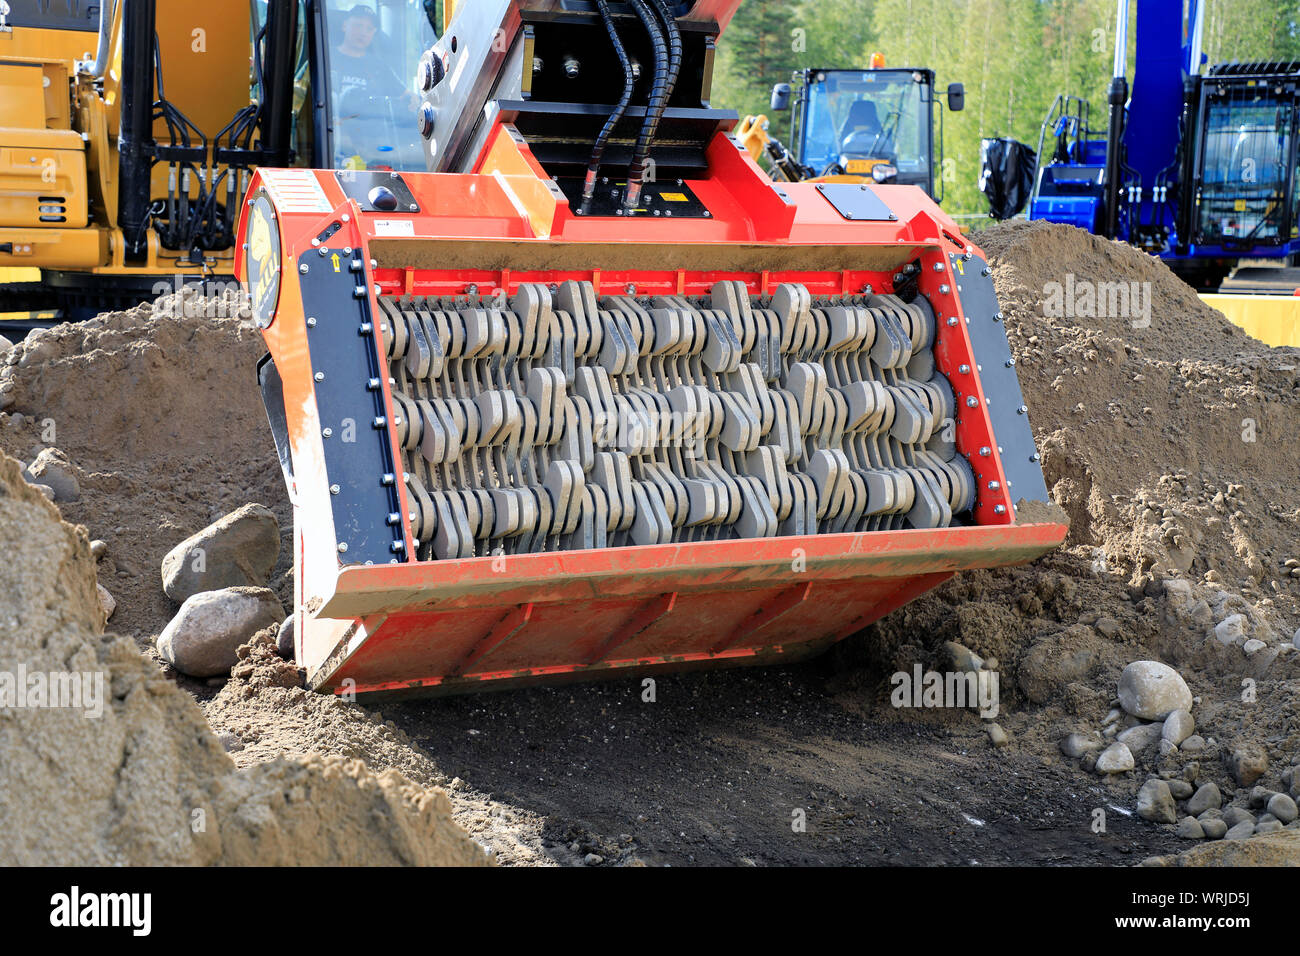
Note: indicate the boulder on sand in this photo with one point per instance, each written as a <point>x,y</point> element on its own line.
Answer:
<point>203,638</point>
<point>239,550</point>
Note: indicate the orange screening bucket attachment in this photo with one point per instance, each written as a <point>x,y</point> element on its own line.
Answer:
<point>525,445</point>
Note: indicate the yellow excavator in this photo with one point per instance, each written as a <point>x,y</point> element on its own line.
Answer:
<point>129,130</point>
<point>874,125</point>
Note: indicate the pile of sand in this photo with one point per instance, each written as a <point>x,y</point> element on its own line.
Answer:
<point>158,407</point>
<point>1172,446</point>
<point>128,772</point>
<point>1167,433</point>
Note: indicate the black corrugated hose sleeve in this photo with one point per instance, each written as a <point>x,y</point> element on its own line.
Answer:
<point>674,47</point>
<point>654,107</point>
<point>629,80</point>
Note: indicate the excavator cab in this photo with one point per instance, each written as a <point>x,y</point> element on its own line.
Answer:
<point>366,55</point>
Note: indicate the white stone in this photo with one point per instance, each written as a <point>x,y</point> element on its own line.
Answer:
<point>1178,727</point>
<point>1152,690</point>
<point>1231,630</point>
<point>52,468</point>
<point>106,601</point>
<point>1116,758</point>
<point>201,640</point>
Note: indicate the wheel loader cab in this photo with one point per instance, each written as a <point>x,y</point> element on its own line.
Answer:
<point>869,122</point>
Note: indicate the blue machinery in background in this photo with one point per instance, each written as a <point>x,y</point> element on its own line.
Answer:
<point>1199,170</point>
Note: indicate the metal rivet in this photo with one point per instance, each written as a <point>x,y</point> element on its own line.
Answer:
<point>972,401</point>
<point>966,256</point>
<point>399,546</point>
<point>326,432</point>
<point>630,289</point>
<point>938,267</point>
<point>952,320</point>
<point>324,251</point>
<point>999,509</point>
<point>1022,409</point>
<point>379,421</point>
<point>997,316</point>
<point>1010,363</point>
<point>986,271</point>
<point>373,384</point>
<point>319,376</point>
<point>343,547</point>
<point>374,264</point>
<point>379,290</point>
<point>314,242</point>
<point>471,289</point>
<point>994,486</point>
<point>397,419</point>
<point>1035,457</point>
<point>366,328</point>
<point>334,489</point>
<point>388,479</point>
<point>303,268</point>
<point>986,451</point>
<point>964,369</point>
<point>944,289</point>
<point>311,321</point>
<point>414,207</point>
<point>394,518</point>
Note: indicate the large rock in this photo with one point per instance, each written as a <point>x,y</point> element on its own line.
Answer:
<point>1207,797</point>
<point>1152,690</point>
<point>239,550</point>
<point>1140,738</point>
<point>201,640</point>
<point>1283,807</point>
<point>1116,758</point>
<point>1178,727</point>
<point>1247,763</point>
<point>52,469</point>
<point>1156,803</point>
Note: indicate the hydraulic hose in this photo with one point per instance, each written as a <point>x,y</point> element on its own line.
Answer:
<point>629,81</point>
<point>674,47</point>
<point>654,108</point>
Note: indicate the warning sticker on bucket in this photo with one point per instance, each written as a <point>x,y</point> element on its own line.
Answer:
<point>296,190</point>
<point>394,227</point>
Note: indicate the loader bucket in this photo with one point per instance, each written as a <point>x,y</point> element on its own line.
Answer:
<point>526,445</point>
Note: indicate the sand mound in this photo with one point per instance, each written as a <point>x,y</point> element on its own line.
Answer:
<point>1172,447</point>
<point>128,772</point>
<point>1167,433</point>
<point>158,408</point>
